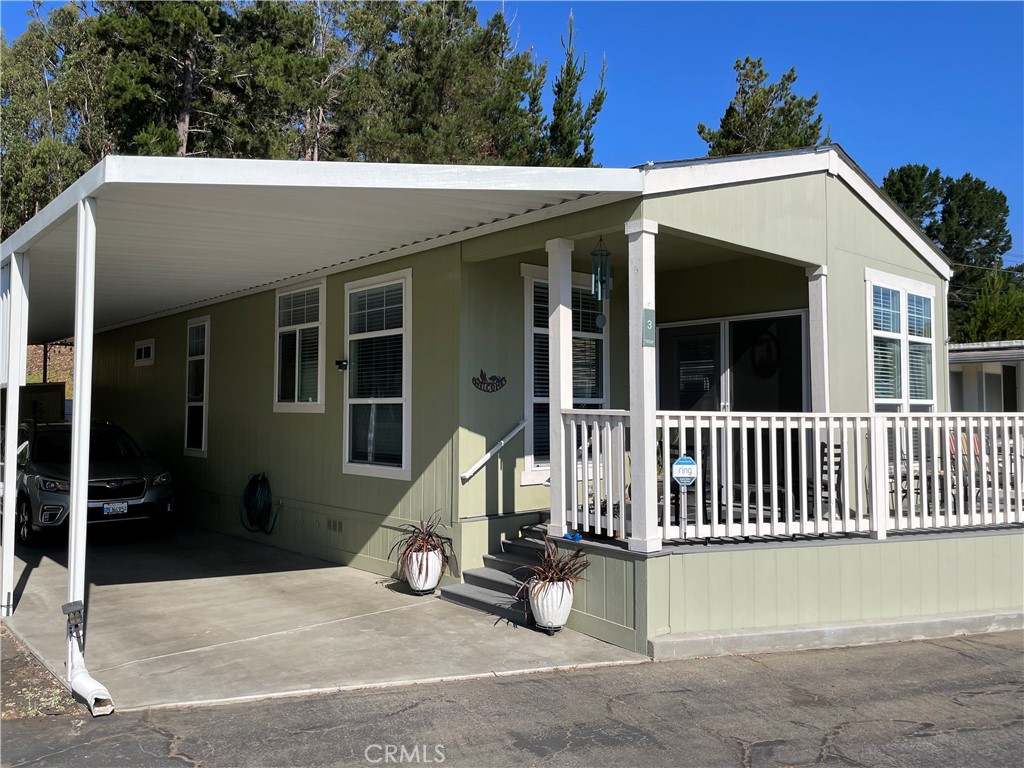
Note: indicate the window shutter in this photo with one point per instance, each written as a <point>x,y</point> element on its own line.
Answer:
<point>920,371</point>
<point>887,369</point>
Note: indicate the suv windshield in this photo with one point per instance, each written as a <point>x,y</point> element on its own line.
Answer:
<point>53,446</point>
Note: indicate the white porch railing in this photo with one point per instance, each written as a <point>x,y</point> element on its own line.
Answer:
<point>597,489</point>
<point>774,474</point>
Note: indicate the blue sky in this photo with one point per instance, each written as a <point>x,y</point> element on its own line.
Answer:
<point>939,83</point>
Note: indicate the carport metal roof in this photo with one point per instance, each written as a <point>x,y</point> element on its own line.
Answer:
<point>178,232</point>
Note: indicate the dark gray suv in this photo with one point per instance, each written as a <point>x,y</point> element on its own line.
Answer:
<point>124,484</point>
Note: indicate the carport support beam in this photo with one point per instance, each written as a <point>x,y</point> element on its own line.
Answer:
<point>85,298</point>
<point>17,349</point>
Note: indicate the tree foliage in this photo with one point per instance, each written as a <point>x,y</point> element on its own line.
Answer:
<point>966,219</point>
<point>571,131</point>
<point>763,116</point>
<point>319,80</point>
<point>996,314</point>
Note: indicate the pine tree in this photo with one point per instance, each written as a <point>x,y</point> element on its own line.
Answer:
<point>166,69</point>
<point>570,134</point>
<point>763,116</point>
<point>966,219</point>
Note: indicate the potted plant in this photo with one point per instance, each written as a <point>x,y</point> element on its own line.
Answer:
<point>423,554</point>
<point>552,584</point>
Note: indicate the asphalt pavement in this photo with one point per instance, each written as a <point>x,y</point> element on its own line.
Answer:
<point>952,702</point>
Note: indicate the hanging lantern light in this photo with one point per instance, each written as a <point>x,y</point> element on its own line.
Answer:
<point>600,278</point>
<point>600,271</point>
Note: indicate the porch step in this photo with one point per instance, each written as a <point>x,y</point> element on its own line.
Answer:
<point>493,579</point>
<point>510,562</point>
<point>487,600</point>
<point>527,549</point>
<point>492,589</point>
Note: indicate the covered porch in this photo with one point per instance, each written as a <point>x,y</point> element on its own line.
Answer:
<point>802,391</point>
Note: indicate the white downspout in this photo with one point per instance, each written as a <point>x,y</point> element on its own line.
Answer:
<point>82,683</point>
<point>16,322</point>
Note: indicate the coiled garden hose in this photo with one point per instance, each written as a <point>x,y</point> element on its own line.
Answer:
<point>257,511</point>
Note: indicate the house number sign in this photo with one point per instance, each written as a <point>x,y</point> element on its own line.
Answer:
<point>649,329</point>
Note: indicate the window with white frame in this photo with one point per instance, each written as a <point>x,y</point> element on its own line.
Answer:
<point>378,337</point>
<point>197,381</point>
<point>299,333</point>
<point>589,364</point>
<point>144,352</point>
<point>902,361</point>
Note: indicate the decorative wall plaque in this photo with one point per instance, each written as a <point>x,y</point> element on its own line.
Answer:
<point>486,383</point>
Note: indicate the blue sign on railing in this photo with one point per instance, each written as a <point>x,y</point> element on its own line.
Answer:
<point>684,471</point>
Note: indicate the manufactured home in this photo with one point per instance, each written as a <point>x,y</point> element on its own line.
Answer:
<point>728,375</point>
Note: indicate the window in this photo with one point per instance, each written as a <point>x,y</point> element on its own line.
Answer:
<point>299,379</point>
<point>378,338</point>
<point>197,380</point>
<point>144,352</point>
<point>902,343</point>
<point>589,363</point>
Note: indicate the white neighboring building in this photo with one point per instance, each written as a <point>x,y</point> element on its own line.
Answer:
<point>987,376</point>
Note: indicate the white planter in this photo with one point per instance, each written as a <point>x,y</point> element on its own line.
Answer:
<point>423,571</point>
<point>551,604</point>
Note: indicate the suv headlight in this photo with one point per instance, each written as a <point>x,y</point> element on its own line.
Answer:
<point>60,486</point>
<point>162,479</point>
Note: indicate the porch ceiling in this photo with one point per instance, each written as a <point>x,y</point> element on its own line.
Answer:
<point>174,233</point>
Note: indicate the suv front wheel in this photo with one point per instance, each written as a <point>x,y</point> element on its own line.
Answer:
<point>26,536</point>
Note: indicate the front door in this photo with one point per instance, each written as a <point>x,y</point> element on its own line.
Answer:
<point>764,368</point>
<point>689,368</point>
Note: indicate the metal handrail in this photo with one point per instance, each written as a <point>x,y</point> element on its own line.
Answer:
<point>465,476</point>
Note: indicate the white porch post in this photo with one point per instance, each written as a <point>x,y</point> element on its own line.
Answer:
<point>644,535</point>
<point>85,289</point>
<point>559,372</point>
<point>16,343</point>
<point>817,320</point>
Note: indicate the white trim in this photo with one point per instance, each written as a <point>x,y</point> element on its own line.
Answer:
<point>903,286</point>
<point>898,282</point>
<point>143,344</point>
<point>78,501</point>
<point>116,170</point>
<point>205,357</point>
<point>540,473</point>
<point>316,406</point>
<point>707,174</point>
<point>403,472</point>
<point>817,342</point>
<point>15,318</point>
<point>729,172</point>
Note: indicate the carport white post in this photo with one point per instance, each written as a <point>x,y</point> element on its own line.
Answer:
<point>16,348</point>
<point>560,372</point>
<point>645,536</point>
<point>95,695</point>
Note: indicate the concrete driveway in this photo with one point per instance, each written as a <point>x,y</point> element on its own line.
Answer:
<point>199,617</point>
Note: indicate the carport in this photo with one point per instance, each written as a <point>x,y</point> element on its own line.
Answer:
<point>202,617</point>
<point>139,238</point>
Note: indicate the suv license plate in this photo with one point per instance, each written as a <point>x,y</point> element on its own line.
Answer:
<point>116,508</point>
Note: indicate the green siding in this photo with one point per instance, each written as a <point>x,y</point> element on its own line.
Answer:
<point>325,511</point>
<point>784,217</point>
<point>853,581</point>
<point>607,603</point>
<point>859,239</point>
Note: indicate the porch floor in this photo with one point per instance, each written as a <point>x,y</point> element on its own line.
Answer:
<point>202,617</point>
